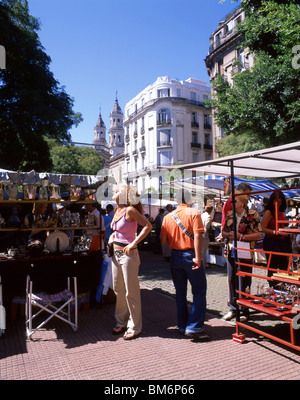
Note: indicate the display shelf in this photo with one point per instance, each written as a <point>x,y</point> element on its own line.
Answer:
<point>48,229</point>
<point>272,306</point>
<point>51,201</point>
<point>268,310</point>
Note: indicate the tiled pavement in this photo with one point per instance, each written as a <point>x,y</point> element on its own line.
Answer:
<point>93,353</point>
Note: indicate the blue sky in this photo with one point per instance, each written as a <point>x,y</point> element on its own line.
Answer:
<point>98,47</point>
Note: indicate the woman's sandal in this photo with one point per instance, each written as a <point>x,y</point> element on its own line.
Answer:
<point>117,330</point>
<point>130,335</point>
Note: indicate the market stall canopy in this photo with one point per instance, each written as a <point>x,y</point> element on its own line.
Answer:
<point>276,162</point>
<point>217,182</point>
<point>34,177</point>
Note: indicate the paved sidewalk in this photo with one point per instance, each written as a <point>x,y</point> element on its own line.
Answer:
<point>160,353</point>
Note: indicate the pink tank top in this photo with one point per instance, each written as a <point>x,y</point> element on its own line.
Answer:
<point>124,230</point>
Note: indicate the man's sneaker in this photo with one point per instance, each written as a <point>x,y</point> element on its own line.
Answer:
<point>201,336</point>
<point>244,318</point>
<point>229,316</point>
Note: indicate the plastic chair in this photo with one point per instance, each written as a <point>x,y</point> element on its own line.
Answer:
<point>57,305</point>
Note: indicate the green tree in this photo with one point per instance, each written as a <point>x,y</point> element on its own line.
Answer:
<point>262,107</point>
<point>68,159</point>
<point>32,104</point>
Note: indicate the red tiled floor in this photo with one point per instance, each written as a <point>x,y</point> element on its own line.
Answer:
<point>160,353</point>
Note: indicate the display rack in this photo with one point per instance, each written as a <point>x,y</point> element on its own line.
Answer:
<point>272,304</point>
<point>52,201</point>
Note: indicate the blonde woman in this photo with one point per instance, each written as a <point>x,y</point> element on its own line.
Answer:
<point>126,260</point>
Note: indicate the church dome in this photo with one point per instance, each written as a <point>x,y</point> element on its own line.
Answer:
<point>116,108</point>
<point>100,123</point>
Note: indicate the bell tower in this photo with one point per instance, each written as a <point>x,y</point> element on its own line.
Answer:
<point>100,142</point>
<point>116,130</point>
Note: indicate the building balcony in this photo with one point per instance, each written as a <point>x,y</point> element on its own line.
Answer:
<point>239,67</point>
<point>223,39</point>
<point>195,124</point>
<point>165,143</point>
<point>164,123</point>
<point>207,146</point>
<point>195,145</point>
<point>207,126</point>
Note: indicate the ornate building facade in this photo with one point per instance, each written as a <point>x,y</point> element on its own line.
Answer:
<point>226,57</point>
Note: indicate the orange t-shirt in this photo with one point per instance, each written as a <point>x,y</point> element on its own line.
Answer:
<point>191,219</point>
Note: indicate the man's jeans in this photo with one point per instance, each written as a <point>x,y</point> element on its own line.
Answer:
<point>181,269</point>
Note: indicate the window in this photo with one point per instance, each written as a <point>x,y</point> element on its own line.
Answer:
<point>164,116</point>
<point>193,96</point>
<point>195,157</point>
<point>207,138</point>
<point>194,137</point>
<point>163,93</point>
<point>165,158</point>
<point>164,137</point>
<point>178,92</point>
<point>195,123</point>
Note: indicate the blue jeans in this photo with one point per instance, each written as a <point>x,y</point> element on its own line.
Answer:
<point>181,269</point>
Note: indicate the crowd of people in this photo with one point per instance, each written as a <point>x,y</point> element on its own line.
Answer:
<point>186,232</point>
<point>182,236</point>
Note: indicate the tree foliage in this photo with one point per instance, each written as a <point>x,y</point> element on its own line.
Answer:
<point>74,160</point>
<point>262,107</point>
<point>32,104</point>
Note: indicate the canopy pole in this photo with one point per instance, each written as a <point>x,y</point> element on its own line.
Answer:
<point>234,238</point>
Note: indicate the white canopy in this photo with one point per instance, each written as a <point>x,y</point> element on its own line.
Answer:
<point>276,162</point>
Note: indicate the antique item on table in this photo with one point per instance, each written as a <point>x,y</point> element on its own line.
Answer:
<point>57,242</point>
<point>83,244</point>
<point>43,190</point>
<point>89,194</point>
<point>256,301</point>
<point>75,219</point>
<point>75,192</point>
<point>90,220</point>
<point>2,222</point>
<point>35,248</point>
<point>12,191</point>
<point>65,219</point>
<point>260,258</point>
<point>29,191</point>
<point>12,252</point>
<point>281,308</point>
<point>54,192</point>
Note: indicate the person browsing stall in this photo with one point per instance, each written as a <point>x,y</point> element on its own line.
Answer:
<point>248,229</point>
<point>182,231</point>
<point>274,241</point>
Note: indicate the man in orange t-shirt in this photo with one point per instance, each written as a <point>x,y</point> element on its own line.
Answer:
<point>186,265</point>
